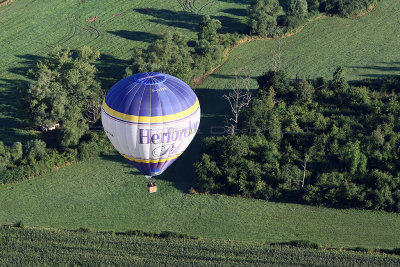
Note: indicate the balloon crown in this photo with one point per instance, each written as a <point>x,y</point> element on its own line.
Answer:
<point>150,77</point>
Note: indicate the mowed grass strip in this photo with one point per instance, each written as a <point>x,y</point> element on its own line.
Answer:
<point>367,46</point>
<point>29,247</point>
<point>108,194</point>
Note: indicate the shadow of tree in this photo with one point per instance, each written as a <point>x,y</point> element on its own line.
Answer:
<point>11,115</point>
<point>386,69</point>
<point>136,35</point>
<point>28,61</point>
<point>110,70</point>
<point>178,19</point>
<point>231,25</point>
<point>236,11</point>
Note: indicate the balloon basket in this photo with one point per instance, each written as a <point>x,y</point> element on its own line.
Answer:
<point>152,189</point>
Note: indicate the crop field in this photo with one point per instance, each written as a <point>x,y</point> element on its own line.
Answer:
<point>108,194</point>
<point>32,247</point>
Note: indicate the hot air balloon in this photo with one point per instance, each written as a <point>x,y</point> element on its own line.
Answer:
<point>150,118</point>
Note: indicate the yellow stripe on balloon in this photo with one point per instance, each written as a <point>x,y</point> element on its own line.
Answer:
<point>150,160</point>
<point>166,118</point>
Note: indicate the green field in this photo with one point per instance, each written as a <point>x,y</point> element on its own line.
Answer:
<point>108,194</point>
<point>367,46</point>
<point>34,247</point>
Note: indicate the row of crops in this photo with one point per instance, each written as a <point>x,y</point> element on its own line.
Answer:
<point>42,247</point>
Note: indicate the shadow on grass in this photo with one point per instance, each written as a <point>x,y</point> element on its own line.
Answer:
<point>136,35</point>
<point>231,25</point>
<point>28,61</point>
<point>191,21</point>
<point>11,114</point>
<point>110,70</point>
<point>388,69</point>
<point>178,19</point>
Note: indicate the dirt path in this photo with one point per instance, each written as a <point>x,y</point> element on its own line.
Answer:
<point>3,3</point>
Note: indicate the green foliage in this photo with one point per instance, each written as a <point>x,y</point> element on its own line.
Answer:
<point>304,244</point>
<point>16,152</point>
<point>313,5</point>
<point>65,81</point>
<point>36,159</point>
<point>170,54</point>
<point>35,149</point>
<point>347,7</point>
<point>208,46</point>
<point>64,88</point>
<point>263,15</point>
<point>73,128</point>
<point>297,8</point>
<point>305,91</point>
<point>345,137</point>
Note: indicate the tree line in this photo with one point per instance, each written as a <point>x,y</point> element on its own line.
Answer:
<point>321,142</point>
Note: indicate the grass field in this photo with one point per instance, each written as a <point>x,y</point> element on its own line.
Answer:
<point>108,194</point>
<point>367,46</point>
<point>39,247</point>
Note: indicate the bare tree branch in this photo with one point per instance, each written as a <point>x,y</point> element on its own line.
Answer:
<point>304,165</point>
<point>276,54</point>
<point>238,98</point>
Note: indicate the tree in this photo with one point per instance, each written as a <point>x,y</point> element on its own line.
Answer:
<point>73,128</point>
<point>263,15</point>
<point>313,5</point>
<point>277,80</point>
<point>297,8</point>
<point>16,152</point>
<point>64,87</point>
<point>238,98</point>
<point>170,54</point>
<point>208,47</point>
<point>305,90</point>
<point>339,82</point>
<point>35,149</point>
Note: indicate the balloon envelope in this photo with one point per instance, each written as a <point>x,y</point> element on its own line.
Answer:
<point>150,118</point>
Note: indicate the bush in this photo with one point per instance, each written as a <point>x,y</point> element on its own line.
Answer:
<point>35,150</point>
<point>396,251</point>
<point>346,8</point>
<point>37,159</point>
<point>16,151</point>
<point>304,244</point>
<point>361,249</point>
<point>291,22</point>
<point>84,230</point>
<point>18,224</point>
<point>263,15</point>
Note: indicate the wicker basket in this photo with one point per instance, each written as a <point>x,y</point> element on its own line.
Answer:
<point>152,189</point>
